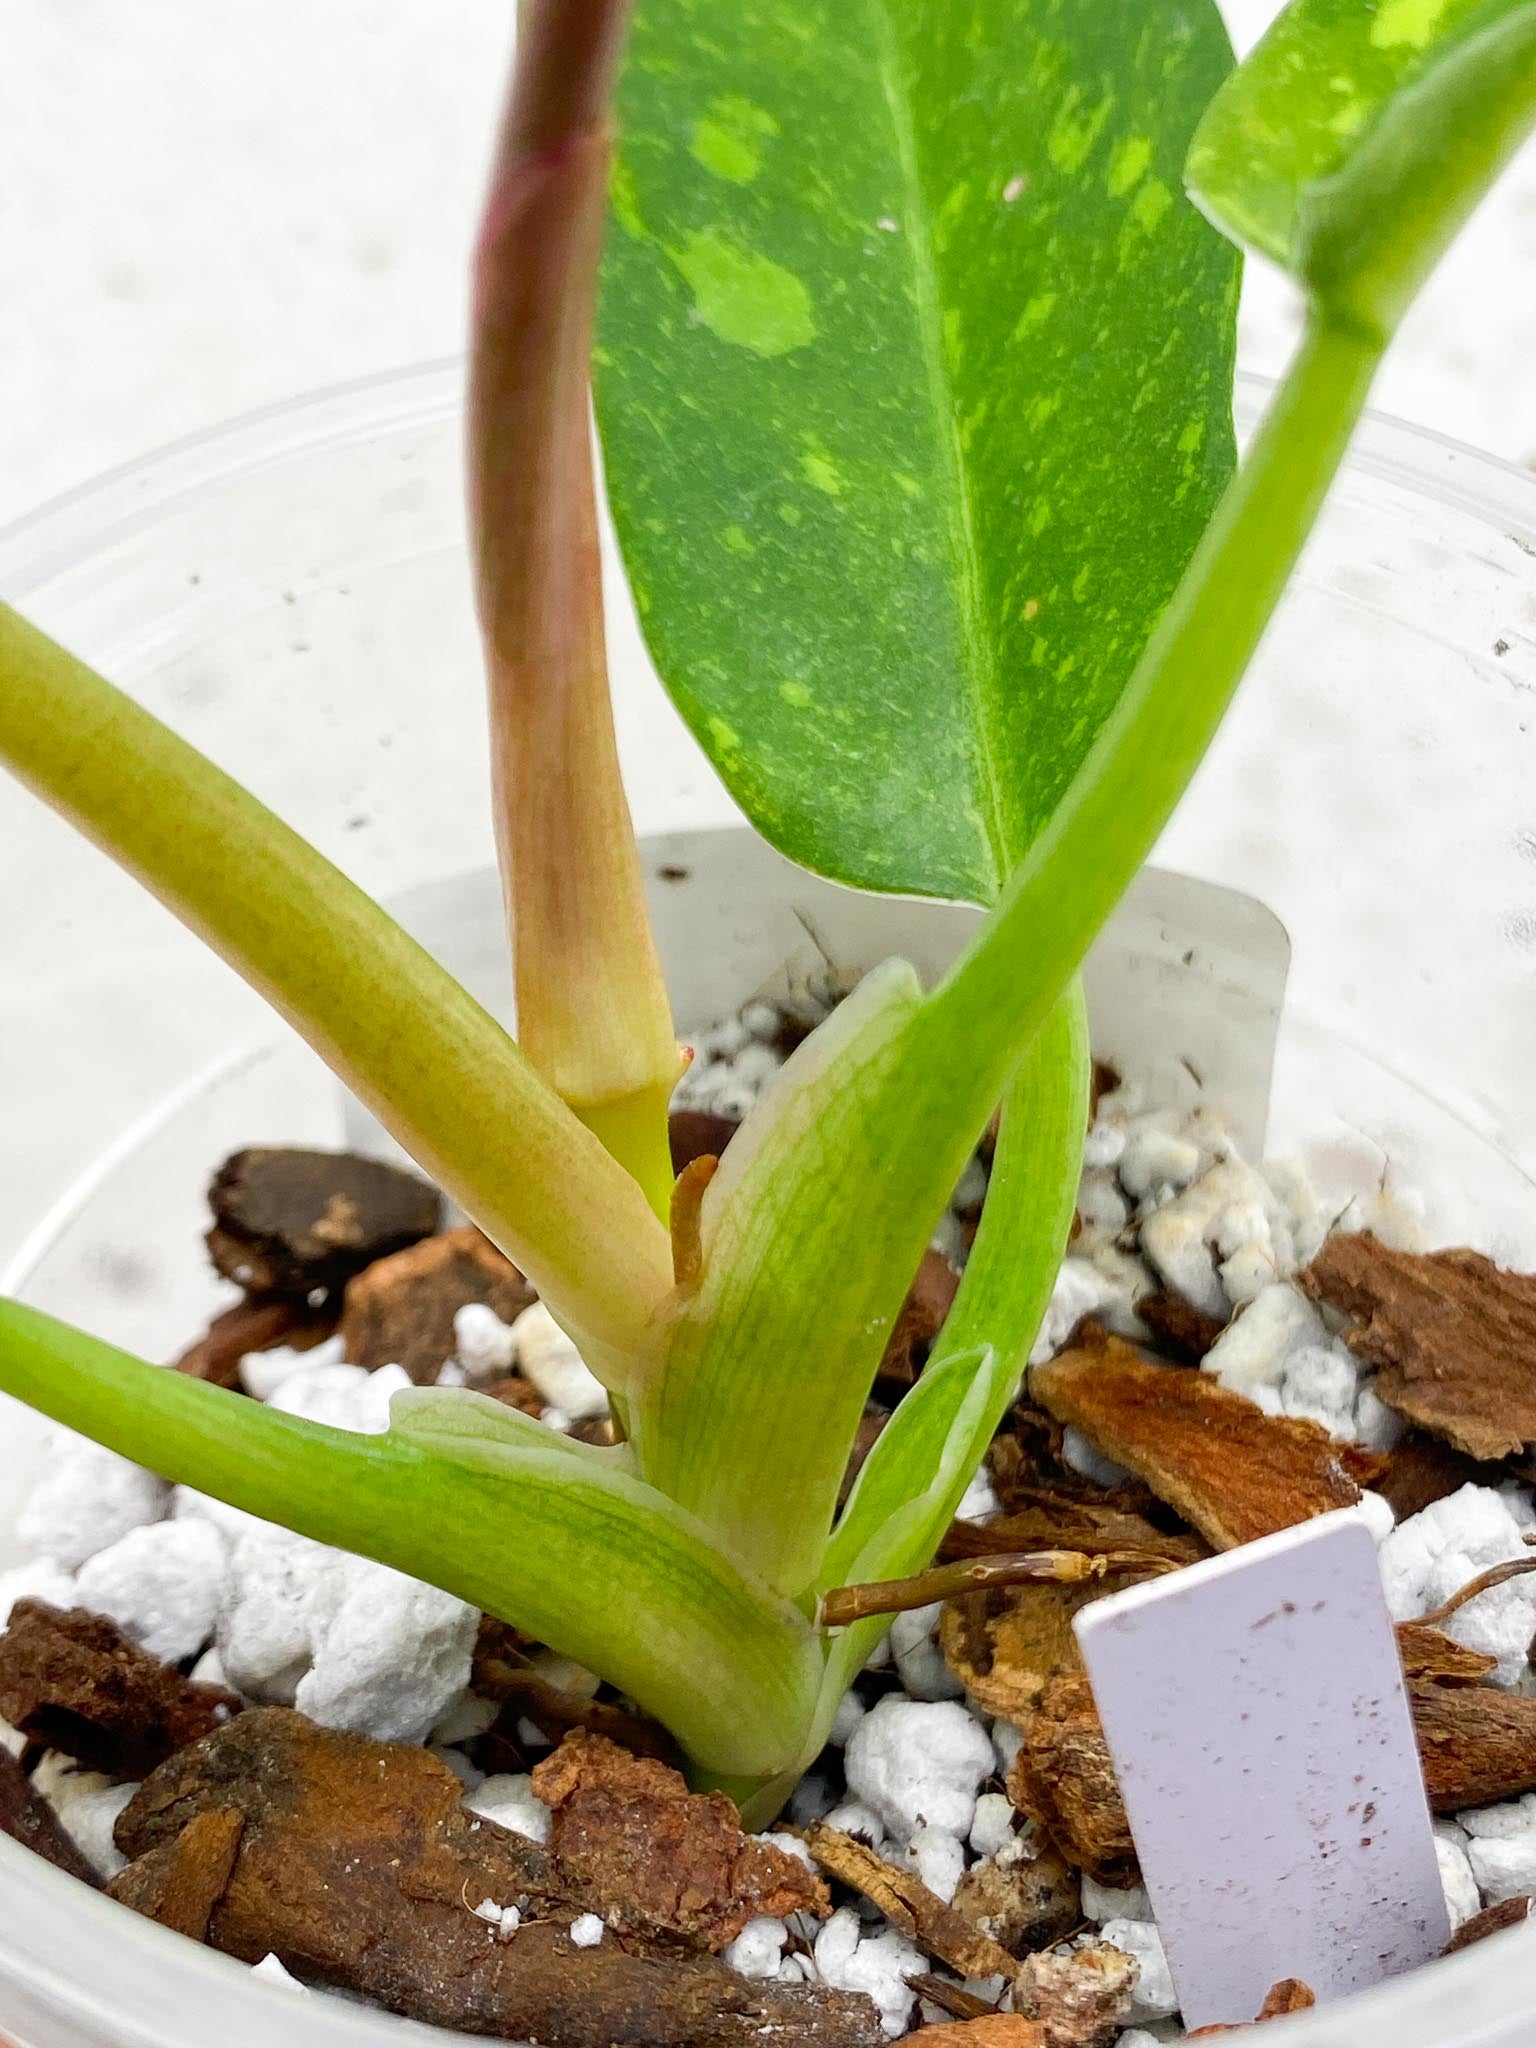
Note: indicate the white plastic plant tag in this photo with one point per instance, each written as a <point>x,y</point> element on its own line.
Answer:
<point>1261,1734</point>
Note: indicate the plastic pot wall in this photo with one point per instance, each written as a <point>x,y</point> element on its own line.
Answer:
<point>292,593</point>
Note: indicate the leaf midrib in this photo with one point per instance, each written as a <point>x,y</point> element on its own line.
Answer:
<point>959,512</point>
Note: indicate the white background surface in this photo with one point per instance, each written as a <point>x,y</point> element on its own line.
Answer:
<point>206,207</point>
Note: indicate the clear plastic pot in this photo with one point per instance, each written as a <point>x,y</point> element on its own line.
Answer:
<point>292,594</point>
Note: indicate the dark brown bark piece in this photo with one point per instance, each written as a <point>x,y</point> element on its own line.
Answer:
<point>401,1310</point>
<point>920,1914</point>
<point>1178,1327</point>
<point>1453,1334</point>
<point>994,2030</point>
<point>290,1221</point>
<point>74,1682</point>
<point>1006,1647</point>
<point>871,1423</point>
<point>179,1884</point>
<point>1080,1999</point>
<point>1227,1467</point>
<point>358,1867</point>
<point>663,1860</point>
<point>28,1818</point>
<point>1023,1904</point>
<point>929,1300</point>
<point>1422,1470</point>
<point>1477,1744</point>
<point>516,1392</point>
<point>1063,1778</point>
<point>1491,1920</point>
<point>698,1134</point>
<point>252,1326</point>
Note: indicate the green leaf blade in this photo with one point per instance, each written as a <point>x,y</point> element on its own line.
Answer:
<point>1358,136</point>
<point>914,378</point>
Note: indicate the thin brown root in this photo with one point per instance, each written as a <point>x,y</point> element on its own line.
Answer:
<point>1496,1575</point>
<point>847,1604</point>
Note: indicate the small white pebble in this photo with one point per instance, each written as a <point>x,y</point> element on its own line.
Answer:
<point>587,1930</point>
<point>850,1712</point>
<point>263,1372</point>
<point>878,1965</point>
<point>465,1718</point>
<point>547,1356</point>
<point>482,1343</point>
<point>791,1845</point>
<point>938,1859</point>
<point>992,1824</point>
<point>508,1800</point>
<point>979,1499</point>
<point>1251,1352</point>
<point>853,1817</point>
<point>1081,1457</point>
<point>1103,1902</point>
<point>1007,1741</point>
<point>272,1970</point>
<point>162,1584</point>
<point>1501,1848</point>
<point>1437,1551</point>
<point>762,1021</point>
<point>1077,1292</point>
<point>344,1396</point>
<point>262,1634</point>
<point>40,1579</point>
<point>87,1499</point>
<point>919,1661</point>
<point>88,1807</point>
<point>389,1653</point>
<point>1154,1997</point>
<point>1104,1144</point>
<point>1152,1159</point>
<point>758,1950</point>
<point>1462,1898</point>
<point>1248,1271</point>
<point>1378,1513</point>
<point>919,1761</point>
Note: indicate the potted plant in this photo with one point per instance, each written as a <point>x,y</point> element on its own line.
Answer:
<point>871,721</point>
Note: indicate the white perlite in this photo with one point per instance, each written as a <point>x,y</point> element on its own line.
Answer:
<point>271,1969</point>
<point>1437,1551</point>
<point>915,1762</point>
<point>86,1499</point>
<point>587,1930</point>
<point>876,1964</point>
<point>547,1356</point>
<point>508,1800</point>
<point>163,1585</point>
<point>1501,1848</point>
<point>1154,1997</point>
<point>41,1579</point>
<point>389,1653</point>
<point>759,1948</point>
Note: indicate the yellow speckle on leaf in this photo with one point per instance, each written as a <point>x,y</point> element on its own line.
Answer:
<point>728,141</point>
<point>746,298</point>
<point>1152,201</point>
<point>1044,407</point>
<point>1128,164</point>
<point>1349,118</point>
<point>1040,517</point>
<point>1406,21</point>
<point>818,468</point>
<point>796,693</point>
<point>738,541</point>
<point>1035,314</point>
<point>1192,440</point>
<point>790,514</point>
<point>624,197</point>
<point>1074,132</point>
<point>908,484</point>
<point>725,737</point>
<point>1030,609</point>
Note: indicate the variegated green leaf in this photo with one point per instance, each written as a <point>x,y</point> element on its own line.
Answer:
<point>914,376</point>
